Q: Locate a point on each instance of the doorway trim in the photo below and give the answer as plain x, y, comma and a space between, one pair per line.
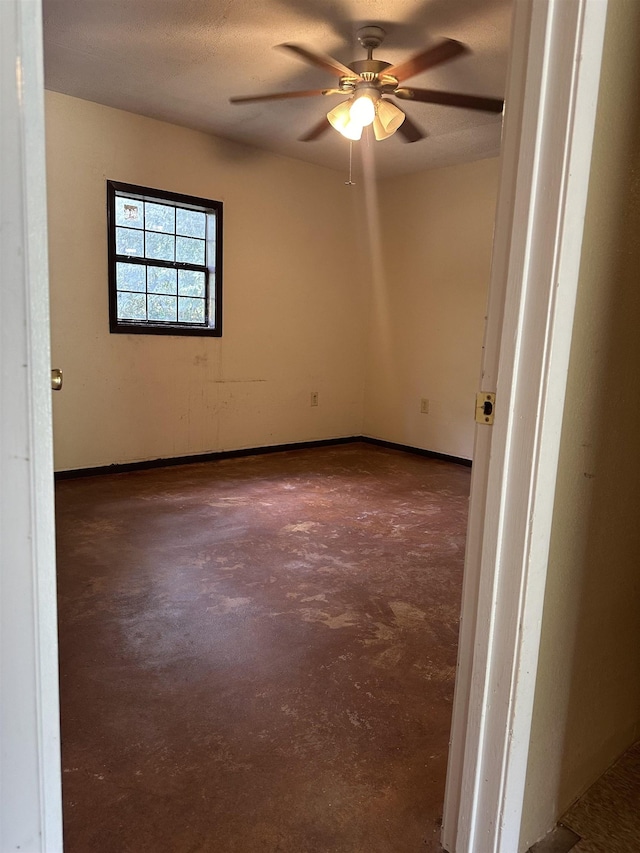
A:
556, 53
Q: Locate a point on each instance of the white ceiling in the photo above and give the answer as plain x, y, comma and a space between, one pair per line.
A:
180, 60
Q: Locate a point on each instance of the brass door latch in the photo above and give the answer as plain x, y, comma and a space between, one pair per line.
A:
56, 379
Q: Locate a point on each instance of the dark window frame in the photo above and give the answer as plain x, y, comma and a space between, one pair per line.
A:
212, 267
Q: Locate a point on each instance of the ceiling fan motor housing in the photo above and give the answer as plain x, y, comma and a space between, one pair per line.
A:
371, 37
369, 72
369, 66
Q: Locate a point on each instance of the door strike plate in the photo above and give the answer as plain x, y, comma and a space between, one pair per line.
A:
485, 405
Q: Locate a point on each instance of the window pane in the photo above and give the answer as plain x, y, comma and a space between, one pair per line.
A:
191, 223
162, 280
160, 246
162, 308
190, 283
159, 217
189, 251
129, 212
132, 306
130, 276
129, 242
190, 310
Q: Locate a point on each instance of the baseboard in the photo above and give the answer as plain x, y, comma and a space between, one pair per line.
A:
214, 456
124, 467
418, 451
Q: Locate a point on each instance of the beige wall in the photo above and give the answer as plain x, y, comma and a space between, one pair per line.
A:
292, 298
300, 299
587, 704
428, 302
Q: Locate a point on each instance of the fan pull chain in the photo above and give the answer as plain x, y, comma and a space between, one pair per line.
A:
350, 183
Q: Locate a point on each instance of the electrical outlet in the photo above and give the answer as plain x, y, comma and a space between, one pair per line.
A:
424, 406
314, 398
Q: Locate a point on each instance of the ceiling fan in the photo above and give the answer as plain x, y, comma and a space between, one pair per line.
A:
369, 82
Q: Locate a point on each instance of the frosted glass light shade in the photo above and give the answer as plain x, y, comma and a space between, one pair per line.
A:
390, 117
340, 119
352, 131
363, 110
378, 130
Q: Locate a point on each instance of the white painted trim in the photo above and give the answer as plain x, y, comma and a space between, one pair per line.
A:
30, 783
551, 106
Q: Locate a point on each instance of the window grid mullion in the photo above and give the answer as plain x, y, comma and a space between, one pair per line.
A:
157, 262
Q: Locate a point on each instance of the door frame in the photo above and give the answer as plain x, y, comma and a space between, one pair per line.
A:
556, 51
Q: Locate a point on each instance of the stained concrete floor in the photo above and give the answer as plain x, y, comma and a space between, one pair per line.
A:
258, 654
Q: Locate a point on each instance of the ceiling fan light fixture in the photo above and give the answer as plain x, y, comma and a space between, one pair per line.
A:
365, 81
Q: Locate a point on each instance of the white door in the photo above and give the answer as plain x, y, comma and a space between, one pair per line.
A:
30, 801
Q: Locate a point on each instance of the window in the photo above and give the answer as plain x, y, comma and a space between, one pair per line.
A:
165, 253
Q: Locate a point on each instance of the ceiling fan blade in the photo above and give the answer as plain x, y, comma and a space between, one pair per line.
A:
451, 99
278, 96
443, 52
316, 131
410, 130
321, 60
